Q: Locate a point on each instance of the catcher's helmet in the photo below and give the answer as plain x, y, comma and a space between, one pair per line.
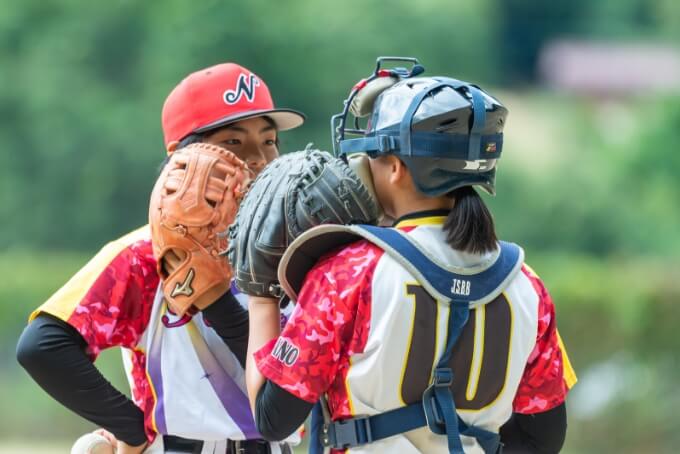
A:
449, 133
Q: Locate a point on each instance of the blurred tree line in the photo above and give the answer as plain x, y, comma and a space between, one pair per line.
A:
588, 186
83, 84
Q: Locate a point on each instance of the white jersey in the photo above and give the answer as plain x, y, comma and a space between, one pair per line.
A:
389, 374
197, 382
182, 375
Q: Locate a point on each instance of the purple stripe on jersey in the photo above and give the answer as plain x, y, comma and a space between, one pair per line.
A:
153, 365
242, 298
232, 397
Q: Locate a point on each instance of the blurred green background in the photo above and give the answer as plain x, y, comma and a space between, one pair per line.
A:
588, 183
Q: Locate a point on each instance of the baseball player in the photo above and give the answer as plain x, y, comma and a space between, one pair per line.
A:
184, 361
429, 336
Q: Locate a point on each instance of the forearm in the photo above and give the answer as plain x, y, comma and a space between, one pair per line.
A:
230, 321
53, 353
279, 413
265, 325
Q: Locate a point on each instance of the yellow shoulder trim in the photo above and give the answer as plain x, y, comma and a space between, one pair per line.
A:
144, 232
531, 270
66, 299
568, 371
432, 220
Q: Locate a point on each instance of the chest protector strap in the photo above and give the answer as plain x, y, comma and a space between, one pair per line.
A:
461, 288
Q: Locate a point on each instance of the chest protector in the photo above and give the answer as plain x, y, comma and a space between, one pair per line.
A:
462, 291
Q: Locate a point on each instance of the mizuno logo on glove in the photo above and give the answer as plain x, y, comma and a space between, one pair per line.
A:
185, 287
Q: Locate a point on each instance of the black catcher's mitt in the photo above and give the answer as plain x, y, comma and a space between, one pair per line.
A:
292, 194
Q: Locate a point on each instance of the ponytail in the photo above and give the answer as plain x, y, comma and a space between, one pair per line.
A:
469, 226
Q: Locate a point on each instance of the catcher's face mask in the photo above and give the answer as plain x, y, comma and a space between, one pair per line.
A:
449, 133
359, 164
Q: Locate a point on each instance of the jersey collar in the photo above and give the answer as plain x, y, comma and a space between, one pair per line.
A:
426, 217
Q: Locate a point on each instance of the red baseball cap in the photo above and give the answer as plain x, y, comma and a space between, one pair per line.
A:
219, 95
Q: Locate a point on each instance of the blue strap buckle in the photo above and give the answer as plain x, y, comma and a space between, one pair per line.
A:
347, 433
433, 416
386, 143
442, 377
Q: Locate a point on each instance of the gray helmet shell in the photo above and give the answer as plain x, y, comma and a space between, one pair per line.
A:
444, 110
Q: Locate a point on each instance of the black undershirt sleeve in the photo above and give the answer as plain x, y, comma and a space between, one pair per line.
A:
230, 320
278, 413
540, 433
53, 353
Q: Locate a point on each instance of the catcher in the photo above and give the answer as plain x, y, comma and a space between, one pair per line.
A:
430, 336
162, 292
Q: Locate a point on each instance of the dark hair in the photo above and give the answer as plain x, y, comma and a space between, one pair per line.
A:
191, 138
188, 140
469, 226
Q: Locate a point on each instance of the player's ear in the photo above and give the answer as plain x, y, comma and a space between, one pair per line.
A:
172, 146
398, 169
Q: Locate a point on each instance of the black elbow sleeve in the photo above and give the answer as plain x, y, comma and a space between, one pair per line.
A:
268, 432
278, 413
53, 353
28, 350
44, 339
540, 433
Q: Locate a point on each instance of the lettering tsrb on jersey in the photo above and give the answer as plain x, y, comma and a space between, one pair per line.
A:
285, 351
460, 287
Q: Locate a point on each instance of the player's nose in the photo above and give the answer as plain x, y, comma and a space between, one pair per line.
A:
256, 162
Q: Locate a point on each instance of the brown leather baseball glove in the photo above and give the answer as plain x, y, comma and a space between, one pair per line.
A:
193, 202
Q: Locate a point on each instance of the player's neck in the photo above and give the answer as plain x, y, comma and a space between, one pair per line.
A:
406, 202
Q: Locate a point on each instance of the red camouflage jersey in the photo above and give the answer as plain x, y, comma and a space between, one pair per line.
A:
109, 303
